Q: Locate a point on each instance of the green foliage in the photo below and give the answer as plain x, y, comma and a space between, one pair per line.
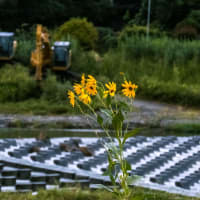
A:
25, 44
169, 51
107, 38
111, 115
16, 84
166, 14
78, 194
135, 30
189, 28
53, 90
83, 61
165, 69
80, 29
170, 91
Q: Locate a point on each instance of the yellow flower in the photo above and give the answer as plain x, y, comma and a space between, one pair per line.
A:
85, 98
78, 88
105, 94
129, 89
121, 73
91, 80
71, 97
91, 89
83, 80
111, 86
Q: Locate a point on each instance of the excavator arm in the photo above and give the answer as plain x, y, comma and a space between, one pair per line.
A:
42, 55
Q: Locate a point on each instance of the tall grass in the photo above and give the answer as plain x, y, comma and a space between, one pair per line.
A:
170, 51
164, 68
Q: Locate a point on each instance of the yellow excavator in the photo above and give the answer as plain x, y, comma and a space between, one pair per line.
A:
7, 46
57, 57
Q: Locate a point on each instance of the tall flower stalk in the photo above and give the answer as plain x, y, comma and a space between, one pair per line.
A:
110, 116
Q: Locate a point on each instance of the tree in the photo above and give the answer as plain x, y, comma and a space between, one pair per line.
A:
165, 14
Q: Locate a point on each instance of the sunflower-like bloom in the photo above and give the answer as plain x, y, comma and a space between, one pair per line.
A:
91, 80
111, 86
91, 89
83, 80
85, 98
71, 97
78, 88
129, 89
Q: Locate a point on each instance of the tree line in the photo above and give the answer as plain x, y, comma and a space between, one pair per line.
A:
108, 13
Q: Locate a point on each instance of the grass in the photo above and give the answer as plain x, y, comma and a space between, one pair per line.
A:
78, 194
36, 107
189, 128
165, 69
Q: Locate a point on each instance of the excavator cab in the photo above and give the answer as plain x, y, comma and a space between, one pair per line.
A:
7, 46
61, 56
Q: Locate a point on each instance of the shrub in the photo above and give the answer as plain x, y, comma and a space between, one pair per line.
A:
16, 84
80, 29
107, 38
135, 30
25, 44
186, 30
23, 52
54, 91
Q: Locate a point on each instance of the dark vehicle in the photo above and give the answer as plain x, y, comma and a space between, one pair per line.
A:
61, 56
7, 46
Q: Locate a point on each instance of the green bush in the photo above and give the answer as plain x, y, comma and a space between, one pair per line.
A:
54, 91
16, 84
82, 61
80, 29
186, 30
135, 30
107, 38
25, 44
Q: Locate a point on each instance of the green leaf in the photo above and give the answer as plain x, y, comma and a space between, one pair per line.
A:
127, 164
110, 172
108, 101
113, 150
130, 134
117, 120
132, 179
101, 186
106, 115
99, 120
123, 106
116, 170
106, 112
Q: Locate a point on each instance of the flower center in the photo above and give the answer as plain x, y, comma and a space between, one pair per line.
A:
130, 88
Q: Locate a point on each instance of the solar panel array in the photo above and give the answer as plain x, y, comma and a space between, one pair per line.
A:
167, 163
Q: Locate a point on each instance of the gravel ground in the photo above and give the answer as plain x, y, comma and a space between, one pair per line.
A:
146, 113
